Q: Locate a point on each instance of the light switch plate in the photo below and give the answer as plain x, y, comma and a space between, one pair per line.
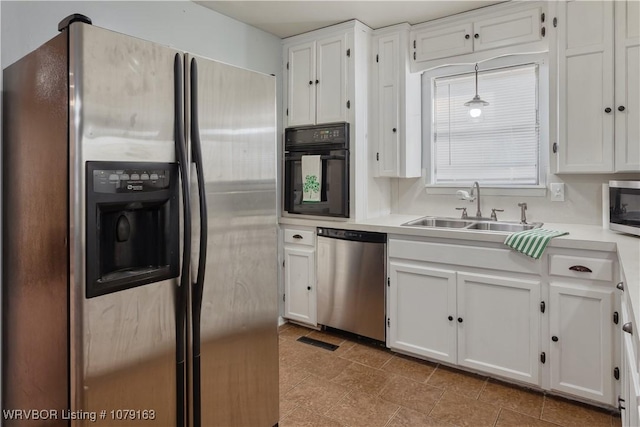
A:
557, 191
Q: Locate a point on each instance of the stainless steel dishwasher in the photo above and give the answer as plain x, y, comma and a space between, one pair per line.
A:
351, 281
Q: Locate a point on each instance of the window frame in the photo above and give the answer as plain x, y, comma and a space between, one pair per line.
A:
542, 61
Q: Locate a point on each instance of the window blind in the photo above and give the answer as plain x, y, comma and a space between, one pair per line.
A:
503, 148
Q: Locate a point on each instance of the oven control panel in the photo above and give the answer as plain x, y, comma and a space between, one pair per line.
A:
336, 134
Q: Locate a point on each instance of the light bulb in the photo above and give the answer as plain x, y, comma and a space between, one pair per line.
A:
475, 112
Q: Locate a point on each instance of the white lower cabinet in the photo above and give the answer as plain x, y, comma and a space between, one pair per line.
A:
550, 323
300, 276
630, 386
581, 333
481, 321
422, 310
499, 325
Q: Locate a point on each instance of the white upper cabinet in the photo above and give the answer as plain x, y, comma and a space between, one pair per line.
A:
598, 112
627, 87
302, 89
450, 40
396, 114
585, 86
317, 81
331, 80
476, 31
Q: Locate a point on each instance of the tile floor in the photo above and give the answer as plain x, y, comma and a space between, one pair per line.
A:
363, 385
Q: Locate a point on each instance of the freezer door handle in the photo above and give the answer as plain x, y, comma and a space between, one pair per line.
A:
181, 298
198, 285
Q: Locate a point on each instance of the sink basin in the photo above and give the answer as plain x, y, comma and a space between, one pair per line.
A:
439, 222
502, 226
479, 224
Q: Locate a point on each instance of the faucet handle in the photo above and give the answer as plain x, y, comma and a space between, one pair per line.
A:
523, 205
464, 213
493, 213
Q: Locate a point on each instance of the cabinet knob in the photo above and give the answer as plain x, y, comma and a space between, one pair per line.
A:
607, 110
554, 338
310, 82
476, 36
621, 108
317, 81
466, 36
450, 318
620, 286
628, 328
394, 130
308, 288
459, 319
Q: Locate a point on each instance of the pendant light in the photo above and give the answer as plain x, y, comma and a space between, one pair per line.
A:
476, 104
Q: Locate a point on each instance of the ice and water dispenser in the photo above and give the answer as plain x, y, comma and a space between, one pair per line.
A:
132, 225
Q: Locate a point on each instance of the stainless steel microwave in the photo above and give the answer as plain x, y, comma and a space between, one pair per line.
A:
624, 206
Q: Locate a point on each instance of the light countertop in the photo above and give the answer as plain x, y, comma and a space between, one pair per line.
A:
588, 237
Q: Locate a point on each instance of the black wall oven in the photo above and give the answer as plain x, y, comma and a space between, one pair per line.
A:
331, 143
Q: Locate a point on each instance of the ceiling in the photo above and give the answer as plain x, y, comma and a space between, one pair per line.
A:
288, 18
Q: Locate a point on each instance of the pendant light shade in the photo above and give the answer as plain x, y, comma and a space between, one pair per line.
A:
476, 104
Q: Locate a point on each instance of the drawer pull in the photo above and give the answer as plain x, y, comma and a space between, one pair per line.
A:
297, 236
580, 268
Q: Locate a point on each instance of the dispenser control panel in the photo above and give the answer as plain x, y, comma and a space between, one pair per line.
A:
130, 180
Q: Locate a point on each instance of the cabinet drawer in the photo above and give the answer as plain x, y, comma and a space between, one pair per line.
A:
299, 237
581, 267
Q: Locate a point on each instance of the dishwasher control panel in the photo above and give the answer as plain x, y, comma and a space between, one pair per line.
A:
359, 236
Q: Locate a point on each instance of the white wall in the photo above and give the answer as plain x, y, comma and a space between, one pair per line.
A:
180, 24
582, 205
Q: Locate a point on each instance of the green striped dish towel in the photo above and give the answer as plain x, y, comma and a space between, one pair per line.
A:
532, 242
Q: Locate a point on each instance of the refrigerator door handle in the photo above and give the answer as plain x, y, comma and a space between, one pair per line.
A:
197, 286
181, 296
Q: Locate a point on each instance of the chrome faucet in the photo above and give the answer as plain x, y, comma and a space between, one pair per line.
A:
476, 187
523, 215
471, 195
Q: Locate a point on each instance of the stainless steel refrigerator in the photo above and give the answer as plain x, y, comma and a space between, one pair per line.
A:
139, 236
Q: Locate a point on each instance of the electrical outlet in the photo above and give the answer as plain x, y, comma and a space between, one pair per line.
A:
557, 191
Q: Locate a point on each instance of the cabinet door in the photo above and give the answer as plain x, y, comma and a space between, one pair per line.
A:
302, 87
443, 42
331, 80
585, 86
507, 30
498, 325
388, 104
627, 65
421, 300
581, 341
299, 284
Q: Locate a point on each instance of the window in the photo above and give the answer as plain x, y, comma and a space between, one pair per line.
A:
501, 150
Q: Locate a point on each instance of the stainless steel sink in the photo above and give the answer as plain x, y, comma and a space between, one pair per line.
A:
439, 222
502, 226
480, 224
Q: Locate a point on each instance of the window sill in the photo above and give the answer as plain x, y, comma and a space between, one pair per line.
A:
529, 191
